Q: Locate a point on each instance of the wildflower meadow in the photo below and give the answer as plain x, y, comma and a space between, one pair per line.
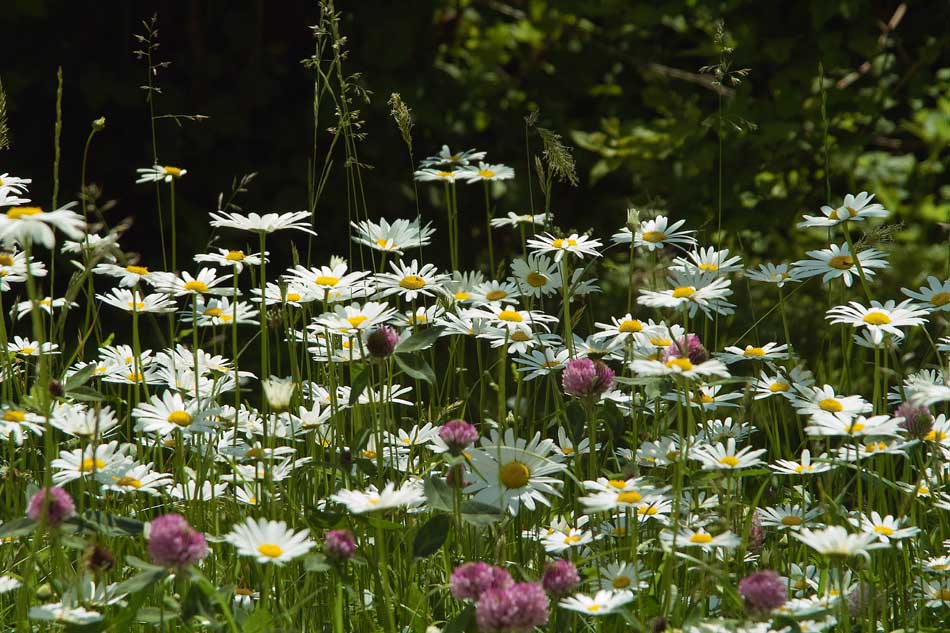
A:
462, 413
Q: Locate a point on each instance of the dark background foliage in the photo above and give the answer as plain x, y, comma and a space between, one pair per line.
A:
620, 80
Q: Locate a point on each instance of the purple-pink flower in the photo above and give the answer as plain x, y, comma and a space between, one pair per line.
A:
470, 580
339, 544
560, 577
583, 377
51, 506
172, 542
515, 609
457, 435
688, 346
382, 341
763, 591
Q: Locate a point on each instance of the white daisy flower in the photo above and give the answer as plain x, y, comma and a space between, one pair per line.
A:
604, 602
615, 494
579, 245
193, 491
269, 541
206, 282
32, 224
46, 304
822, 400
688, 537
64, 613
778, 274
787, 517
14, 183
159, 173
133, 301
85, 422
537, 276
880, 318
708, 260
231, 259
131, 477
769, 351
656, 233
515, 219
447, 157
725, 456
331, 283
619, 329
838, 261
8, 584
128, 276
692, 291
836, 542
17, 423
220, 311
22, 346
833, 425
495, 292
558, 541
542, 362
80, 463
936, 294
486, 172
267, 223
168, 413
392, 238
680, 367
409, 495
622, 575
855, 208
884, 528
353, 318
804, 465
429, 174
411, 281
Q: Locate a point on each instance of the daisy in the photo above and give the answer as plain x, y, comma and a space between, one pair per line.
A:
269, 541
680, 367
9, 198
221, 311
567, 448
206, 282
231, 259
515, 219
542, 362
79, 421
537, 276
787, 517
692, 291
819, 400
510, 472
267, 223
769, 351
835, 541
16, 423
687, 537
725, 457
79, 463
831, 425
557, 542
193, 491
880, 318
168, 413
65, 613
420, 316
8, 584
331, 283
447, 157
33, 225
409, 495
619, 329
706, 397
936, 294
708, 260
604, 602
660, 453
774, 274
429, 174
411, 281
510, 318
353, 318
766, 386
25, 347
838, 261
46, 304
131, 477
884, 528
392, 238
159, 173
855, 208
715, 431
614, 494
622, 575
14, 183
486, 172
128, 276
804, 465
656, 233
937, 594
133, 301
579, 245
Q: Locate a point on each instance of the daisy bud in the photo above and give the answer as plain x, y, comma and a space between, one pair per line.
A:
51, 506
458, 434
689, 346
339, 544
763, 591
381, 342
278, 392
470, 580
560, 577
99, 124
56, 389
583, 377
520, 607
633, 219
918, 421
98, 558
172, 542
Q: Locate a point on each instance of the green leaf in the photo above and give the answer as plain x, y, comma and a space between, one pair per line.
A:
421, 339
431, 536
153, 615
80, 378
480, 514
439, 496
107, 524
316, 563
416, 367
260, 621
86, 394
196, 602
359, 385
461, 622
383, 524
17, 527
140, 581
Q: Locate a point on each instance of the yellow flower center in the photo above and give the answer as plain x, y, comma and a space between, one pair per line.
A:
654, 236
648, 510
570, 540
939, 300
12, 415
356, 320
137, 270
181, 418
213, 312
88, 464
196, 286
708, 267
729, 460
461, 295
683, 292
804, 468
683, 364
701, 538
27, 351
594, 608
942, 595
136, 305
496, 295
661, 341
935, 436
779, 387
7, 260
135, 377
791, 520
883, 530
412, 282
486, 173
536, 280
754, 352
514, 475
621, 582
876, 318
559, 243
235, 256
841, 262
23, 212
619, 484
631, 496
174, 172
520, 337
445, 174
510, 315
270, 550
293, 296
128, 482
373, 501
326, 280
384, 244
369, 454
831, 405
702, 397
857, 427
629, 326
568, 450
